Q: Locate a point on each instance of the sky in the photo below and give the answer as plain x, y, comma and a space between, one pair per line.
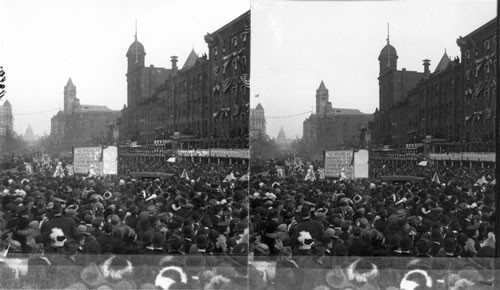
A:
298, 44
44, 43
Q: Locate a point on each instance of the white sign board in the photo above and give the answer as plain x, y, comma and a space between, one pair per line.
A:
361, 164
335, 161
84, 157
110, 160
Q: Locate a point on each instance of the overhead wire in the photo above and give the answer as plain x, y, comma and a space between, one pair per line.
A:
34, 113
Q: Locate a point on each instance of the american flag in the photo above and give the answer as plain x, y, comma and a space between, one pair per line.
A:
245, 80
226, 85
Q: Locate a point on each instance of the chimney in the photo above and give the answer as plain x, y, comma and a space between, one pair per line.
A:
173, 59
427, 63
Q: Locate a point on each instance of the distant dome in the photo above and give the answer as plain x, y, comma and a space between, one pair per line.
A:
388, 50
136, 45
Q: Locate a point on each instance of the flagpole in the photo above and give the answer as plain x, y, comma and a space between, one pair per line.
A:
497, 159
388, 50
136, 55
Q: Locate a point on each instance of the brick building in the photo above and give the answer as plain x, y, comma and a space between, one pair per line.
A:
479, 67
80, 125
333, 128
455, 103
203, 104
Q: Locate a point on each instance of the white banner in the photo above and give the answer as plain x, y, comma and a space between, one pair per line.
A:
335, 161
110, 160
84, 157
361, 164
464, 156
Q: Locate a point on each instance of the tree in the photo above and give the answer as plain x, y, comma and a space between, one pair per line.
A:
263, 148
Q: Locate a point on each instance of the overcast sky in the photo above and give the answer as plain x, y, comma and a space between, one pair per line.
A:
296, 45
43, 43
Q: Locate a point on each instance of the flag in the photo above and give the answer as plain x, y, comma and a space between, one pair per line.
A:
257, 95
481, 181
435, 178
230, 177
245, 80
422, 163
226, 85
185, 174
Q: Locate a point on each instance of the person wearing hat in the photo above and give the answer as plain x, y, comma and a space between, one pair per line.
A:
200, 246
109, 242
329, 240
449, 249
66, 224
436, 238
187, 238
157, 244
356, 246
175, 245
314, 227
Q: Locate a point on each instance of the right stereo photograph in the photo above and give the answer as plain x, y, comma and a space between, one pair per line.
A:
372, 144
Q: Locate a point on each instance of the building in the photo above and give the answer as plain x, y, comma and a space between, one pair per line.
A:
282, 141
455, 103
29, 136
80, 125
394, 85
6, 120
333, 128
479, 66
257, 121
6, 124
203, 104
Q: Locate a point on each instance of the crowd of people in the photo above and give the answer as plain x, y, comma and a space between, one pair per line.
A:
449, 213
199, 209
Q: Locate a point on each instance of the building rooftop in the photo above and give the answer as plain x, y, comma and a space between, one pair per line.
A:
342, 111
322, 86
136, 46
191, 60
94, 108
443, 63
388, 51
70, 83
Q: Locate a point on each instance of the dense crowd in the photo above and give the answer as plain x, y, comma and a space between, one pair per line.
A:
450, 213
204, 212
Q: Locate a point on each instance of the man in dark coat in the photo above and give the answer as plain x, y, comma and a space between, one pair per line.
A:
314, 227
66, 224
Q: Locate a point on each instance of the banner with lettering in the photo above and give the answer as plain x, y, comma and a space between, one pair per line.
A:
338, 161
84, 157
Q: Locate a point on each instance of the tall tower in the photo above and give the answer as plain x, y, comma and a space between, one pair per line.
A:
136, 58
321, 99
388, 57
69, 96
6, 119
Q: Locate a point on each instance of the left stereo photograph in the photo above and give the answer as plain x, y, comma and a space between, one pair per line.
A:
124, 144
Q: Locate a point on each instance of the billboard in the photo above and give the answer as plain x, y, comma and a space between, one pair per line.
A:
353, 164
84, 157
110, 160
335, 161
